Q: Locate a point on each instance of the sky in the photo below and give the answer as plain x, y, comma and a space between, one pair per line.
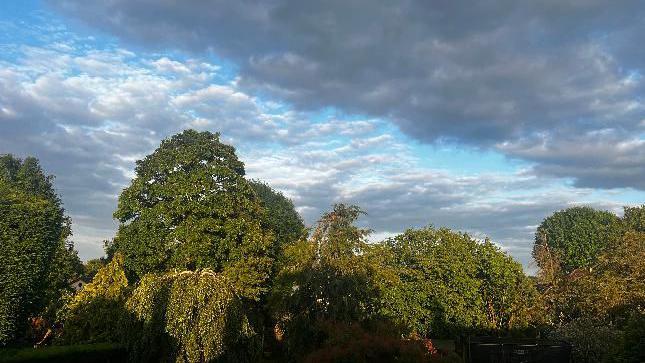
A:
483, 117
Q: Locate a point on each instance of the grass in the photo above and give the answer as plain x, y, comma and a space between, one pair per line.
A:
100, 353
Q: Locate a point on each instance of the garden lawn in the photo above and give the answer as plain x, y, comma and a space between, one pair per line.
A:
96, 353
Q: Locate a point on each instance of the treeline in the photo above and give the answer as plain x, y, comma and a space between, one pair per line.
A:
208, 265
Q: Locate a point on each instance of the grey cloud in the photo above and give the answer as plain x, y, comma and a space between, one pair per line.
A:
479, 73
606, 159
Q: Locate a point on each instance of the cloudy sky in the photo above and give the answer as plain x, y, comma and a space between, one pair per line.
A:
481, 116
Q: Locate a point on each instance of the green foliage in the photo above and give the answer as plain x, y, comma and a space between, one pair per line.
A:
510, 297
634, 218
91, 267
426, 282
189, 316
280, 217
189, 207
109, 282
96, 313
576, 236
595, 306
440, 283
27, 175
65, 266
600, 308
33, 230
203, 243
324, 278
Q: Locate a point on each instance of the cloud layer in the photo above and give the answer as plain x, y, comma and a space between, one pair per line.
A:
539, 81
88, 108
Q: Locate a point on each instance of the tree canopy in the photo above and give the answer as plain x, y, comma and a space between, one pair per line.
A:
189, 207
280, 215
206, 265
324, 278
33, 233
575, 236
634, 218
598, 305
441, 283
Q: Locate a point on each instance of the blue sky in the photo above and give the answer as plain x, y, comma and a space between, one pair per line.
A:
484, 120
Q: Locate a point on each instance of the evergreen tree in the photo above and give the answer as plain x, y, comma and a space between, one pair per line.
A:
33, 244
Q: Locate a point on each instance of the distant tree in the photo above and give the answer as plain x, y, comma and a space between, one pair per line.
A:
281, 216
575, 236
634, 218
189, 207
110, 248
440, 283
91, 267
33, 238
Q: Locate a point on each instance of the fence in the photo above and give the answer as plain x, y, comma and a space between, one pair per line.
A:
510, 350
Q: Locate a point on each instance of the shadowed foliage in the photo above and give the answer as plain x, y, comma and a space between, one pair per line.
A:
599, 306
189, 316
280, 216
37, 260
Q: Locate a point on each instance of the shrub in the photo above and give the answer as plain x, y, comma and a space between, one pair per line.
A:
357, 343
592, 340
97, 312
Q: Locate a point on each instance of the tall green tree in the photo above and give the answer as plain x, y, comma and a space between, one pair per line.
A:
189, 207
575, 237
33, 238
439, 283
598, 305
